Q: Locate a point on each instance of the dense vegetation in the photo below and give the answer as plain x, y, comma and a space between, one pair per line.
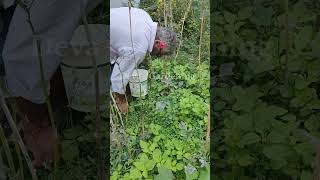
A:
261, 103
163, 136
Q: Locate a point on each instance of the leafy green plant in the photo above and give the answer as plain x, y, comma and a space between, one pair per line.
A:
174, 129
260, 110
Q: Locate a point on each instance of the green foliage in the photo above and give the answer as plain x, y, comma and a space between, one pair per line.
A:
260, 110
175, 125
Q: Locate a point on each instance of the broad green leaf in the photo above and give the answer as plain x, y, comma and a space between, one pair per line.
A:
144, 145
243, 122
187, 155
157, 139
149, 165
139, 165
164, 173
70, 150
246, 98
249, 138
262, 118
245, 160
156, 154
285, 128
238, 25
204, 174
277, 137
312, 124
229, 17
144, 157
300, 13
178, 145
245, 13
277, 151
314, 104
276, 110
303, 38
153, 146
179, 166
260, 65
135, 173
145, 174
168, 163
289, 118
115, 175
301, 83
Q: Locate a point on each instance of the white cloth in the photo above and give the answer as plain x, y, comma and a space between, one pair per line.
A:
55, 21
121, 52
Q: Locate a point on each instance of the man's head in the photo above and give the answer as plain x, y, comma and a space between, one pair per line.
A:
165, 42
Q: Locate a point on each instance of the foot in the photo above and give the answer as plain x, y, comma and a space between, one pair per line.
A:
38, 133
41, 143
121, 102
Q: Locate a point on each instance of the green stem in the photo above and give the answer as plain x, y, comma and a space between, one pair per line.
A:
17, 149
8, 153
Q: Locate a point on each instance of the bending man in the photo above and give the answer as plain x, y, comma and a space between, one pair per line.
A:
127, 53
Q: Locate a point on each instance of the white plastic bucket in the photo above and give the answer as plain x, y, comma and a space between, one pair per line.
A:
138, 83
78, 70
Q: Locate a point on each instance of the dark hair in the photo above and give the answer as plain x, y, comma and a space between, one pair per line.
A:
169, 37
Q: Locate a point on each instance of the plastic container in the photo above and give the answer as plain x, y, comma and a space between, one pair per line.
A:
138, 83
78, 70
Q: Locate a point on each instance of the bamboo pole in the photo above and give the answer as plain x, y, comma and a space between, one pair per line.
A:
165, 13
171, 15
43, 83
100, 159
182, 27
17, 135
136, 67
207, 147
201, 29
7, 151
16, 146
284, 39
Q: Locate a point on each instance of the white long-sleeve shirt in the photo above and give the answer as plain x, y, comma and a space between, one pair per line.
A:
55, 21
124, 53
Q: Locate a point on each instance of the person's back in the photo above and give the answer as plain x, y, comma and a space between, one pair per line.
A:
143, 29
